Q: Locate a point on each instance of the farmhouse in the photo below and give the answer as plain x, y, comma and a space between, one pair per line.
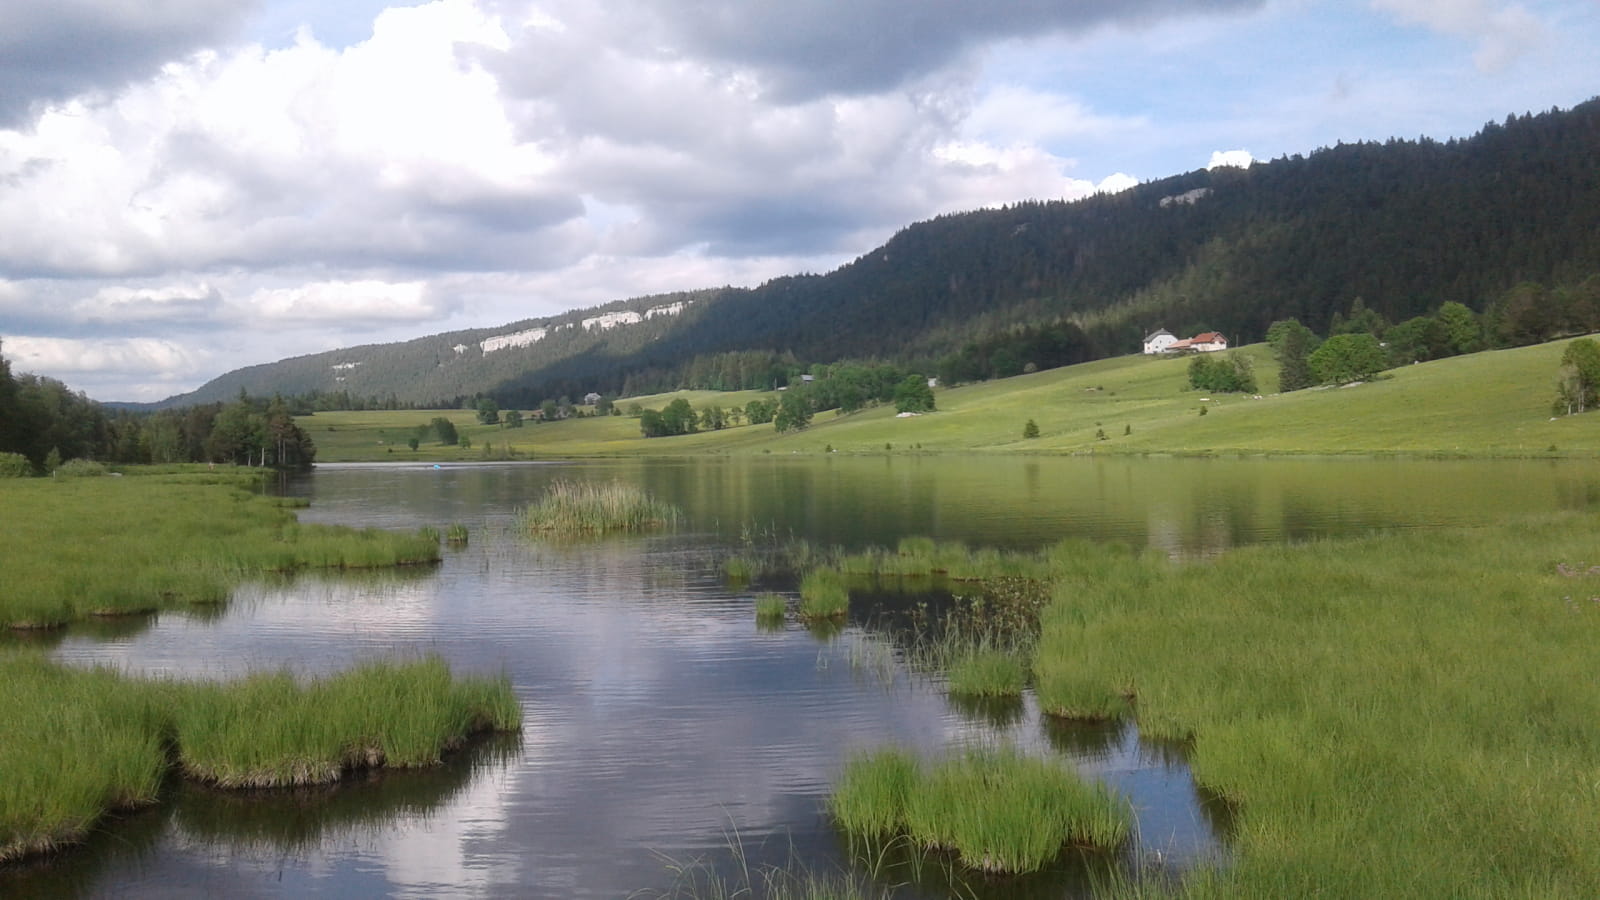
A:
1159, 341
1205, 342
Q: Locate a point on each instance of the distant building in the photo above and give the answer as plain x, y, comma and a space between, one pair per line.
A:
591, 398
1204, 342
1159, 342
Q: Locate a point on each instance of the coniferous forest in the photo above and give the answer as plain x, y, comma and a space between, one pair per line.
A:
1366, 236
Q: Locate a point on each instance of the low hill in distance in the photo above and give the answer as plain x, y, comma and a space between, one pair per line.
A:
1489, 404
1404, 226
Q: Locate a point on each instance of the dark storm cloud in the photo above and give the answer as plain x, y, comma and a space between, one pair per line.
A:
54, 49
805, 48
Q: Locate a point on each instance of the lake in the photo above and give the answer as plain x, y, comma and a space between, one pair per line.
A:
664, 732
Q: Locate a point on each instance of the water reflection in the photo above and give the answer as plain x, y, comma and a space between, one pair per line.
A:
661, 719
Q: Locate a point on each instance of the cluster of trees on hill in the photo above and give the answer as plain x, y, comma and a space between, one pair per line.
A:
46, 423
1408, 226
845, 387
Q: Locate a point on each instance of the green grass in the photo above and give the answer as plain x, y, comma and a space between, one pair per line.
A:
269, 731
586, 508
1491, 404
997, 810
771, 608
81, 743
824, 595
985, 671
738, 570
872, 792
78, 547
456, 534
1413, 714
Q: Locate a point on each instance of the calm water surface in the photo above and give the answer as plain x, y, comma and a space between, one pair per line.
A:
662, 728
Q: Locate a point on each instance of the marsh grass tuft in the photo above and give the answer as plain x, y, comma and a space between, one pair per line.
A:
456, 535
584, 508
738, 570
771, 608
100, 741
997, 810
824, 594
987, 671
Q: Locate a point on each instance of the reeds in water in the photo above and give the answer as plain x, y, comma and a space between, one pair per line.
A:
997, 810
270, 731
771, 608
586, 508
98, 741
824, 595
71, 548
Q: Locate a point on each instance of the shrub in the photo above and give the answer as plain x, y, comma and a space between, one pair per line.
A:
1030, 430
80, 468
15, 465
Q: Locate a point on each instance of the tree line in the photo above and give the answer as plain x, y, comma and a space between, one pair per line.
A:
47, 424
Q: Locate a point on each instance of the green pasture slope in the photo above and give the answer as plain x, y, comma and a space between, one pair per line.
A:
1491, 404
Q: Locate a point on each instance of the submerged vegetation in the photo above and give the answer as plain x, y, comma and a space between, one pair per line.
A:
80, 547
583, 508
96, 741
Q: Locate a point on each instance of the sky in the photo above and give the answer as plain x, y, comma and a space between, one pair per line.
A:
192, 186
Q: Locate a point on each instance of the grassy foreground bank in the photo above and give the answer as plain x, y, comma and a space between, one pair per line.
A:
82, 743
76, 547
1490, 404
1413, 714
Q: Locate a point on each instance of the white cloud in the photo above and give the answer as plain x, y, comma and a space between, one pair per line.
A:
349, 302
1238, 158
166, 359
1504, 32
186, 303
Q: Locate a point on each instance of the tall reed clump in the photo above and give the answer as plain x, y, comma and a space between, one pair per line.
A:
586, 508
270, 731
456, 535
77, 744
82, 742
997, 810
738, 570
770, 608
987, 671
824, 595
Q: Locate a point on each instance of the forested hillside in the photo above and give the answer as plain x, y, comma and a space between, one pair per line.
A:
1501, 222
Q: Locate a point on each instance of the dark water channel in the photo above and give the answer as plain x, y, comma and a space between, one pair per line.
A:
663, 729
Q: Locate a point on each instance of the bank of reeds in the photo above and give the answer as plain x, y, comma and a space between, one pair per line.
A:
586, 508
824, 595
78, 547
1414, 714
997, 810
80, 743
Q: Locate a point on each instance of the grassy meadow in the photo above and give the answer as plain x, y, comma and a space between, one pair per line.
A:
77, 547
1491, 404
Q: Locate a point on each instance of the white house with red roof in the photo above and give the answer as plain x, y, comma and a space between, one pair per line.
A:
1204, 342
